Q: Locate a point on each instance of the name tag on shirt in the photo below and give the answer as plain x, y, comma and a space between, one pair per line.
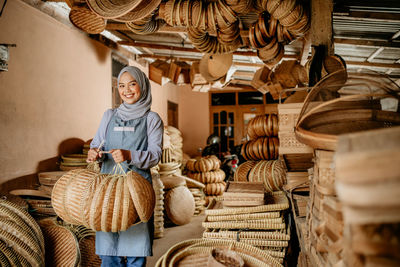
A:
124, 129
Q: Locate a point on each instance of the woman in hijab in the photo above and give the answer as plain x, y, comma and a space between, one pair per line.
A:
133, 134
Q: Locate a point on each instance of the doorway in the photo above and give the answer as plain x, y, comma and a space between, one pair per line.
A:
173, 114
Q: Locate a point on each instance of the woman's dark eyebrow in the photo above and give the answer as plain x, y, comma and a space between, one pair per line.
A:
130, 81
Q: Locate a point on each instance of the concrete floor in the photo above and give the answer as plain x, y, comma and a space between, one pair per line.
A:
176, 234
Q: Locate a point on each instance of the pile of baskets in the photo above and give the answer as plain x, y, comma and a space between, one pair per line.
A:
262, 154
159, 206
264, 144
262, 226
207, 171
73, 161
197, 190
103, 202
68, 245
213, 27
21, 240
280, 23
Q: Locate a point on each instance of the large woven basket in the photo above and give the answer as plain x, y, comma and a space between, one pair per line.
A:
320, 128
103, 202
179, 205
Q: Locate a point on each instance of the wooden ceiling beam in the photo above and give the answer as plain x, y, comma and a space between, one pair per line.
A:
351, 63
368, 15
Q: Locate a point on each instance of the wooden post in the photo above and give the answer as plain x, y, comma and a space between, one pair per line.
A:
321, 24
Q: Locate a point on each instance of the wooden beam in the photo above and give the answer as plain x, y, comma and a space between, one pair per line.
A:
305, 49
186, 49
374, 54
353, 63
371, 16
377, 43
321, 24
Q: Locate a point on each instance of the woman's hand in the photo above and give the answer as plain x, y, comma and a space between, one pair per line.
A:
120, 155
93, 155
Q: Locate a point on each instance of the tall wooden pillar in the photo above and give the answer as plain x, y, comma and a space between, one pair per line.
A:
321, 24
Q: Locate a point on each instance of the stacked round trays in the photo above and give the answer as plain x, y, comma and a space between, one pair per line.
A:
47, 180
123, 11
73, 161
159, 206
207, 170
197, 190
196, 252
176, 142
212, 26
179, 203
21, 239
279, 23
146, 25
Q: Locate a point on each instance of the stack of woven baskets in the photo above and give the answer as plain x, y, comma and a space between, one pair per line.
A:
73, 161
47, 180
207, 171
262, 226
213, 27
86, 147
176, 142
197, 190
179, 203
68, 245
262, 151
103, 202
198, 252
368, 186
39, 202
159, 206
21, 240
279, 23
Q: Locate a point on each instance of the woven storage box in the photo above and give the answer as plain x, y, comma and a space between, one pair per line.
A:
179, 205
243, 194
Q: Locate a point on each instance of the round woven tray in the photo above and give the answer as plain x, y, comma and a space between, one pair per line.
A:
142, 194
179, 205
182, 249
50, 178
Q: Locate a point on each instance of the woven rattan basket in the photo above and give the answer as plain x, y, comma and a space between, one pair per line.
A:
319, 126
179, 205
62, 247
83, 18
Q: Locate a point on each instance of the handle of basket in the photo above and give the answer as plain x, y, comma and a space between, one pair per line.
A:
303, 116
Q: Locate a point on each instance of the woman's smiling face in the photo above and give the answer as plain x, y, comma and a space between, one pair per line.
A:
128, 88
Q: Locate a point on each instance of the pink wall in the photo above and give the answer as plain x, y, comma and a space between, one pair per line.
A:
57, 88
193, 119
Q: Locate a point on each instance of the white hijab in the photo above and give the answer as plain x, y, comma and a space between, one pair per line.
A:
142, 106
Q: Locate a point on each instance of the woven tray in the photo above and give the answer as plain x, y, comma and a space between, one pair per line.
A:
275, 201
264, 224
280, 235
50, 178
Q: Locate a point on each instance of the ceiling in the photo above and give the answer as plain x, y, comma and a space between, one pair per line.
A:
366, 35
